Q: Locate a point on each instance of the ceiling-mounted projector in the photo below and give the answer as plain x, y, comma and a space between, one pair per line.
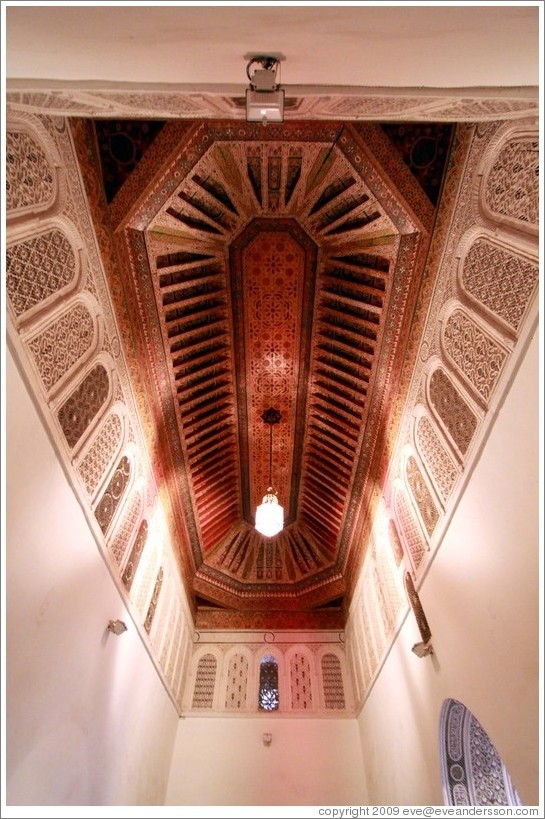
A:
264, 97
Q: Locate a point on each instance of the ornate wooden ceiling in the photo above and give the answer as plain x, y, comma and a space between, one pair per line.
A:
260, 267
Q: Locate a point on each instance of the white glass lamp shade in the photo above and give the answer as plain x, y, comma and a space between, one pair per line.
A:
269, 515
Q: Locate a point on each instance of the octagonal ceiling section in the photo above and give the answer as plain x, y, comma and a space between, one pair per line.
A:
270, 267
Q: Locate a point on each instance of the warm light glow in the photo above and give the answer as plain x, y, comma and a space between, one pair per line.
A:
269, 515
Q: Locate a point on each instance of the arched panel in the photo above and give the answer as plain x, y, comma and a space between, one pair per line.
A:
498, 279
332, 682
472, 350
439, 463
84, 404
64, 343
109, 502
409, 527
390, 597
169, 648
124, 532
152, 608
101, 452
131, 565
511, 186
457, 418
205, 682
300, 681
236, 692
471, 768
374, 634
146, 574
31, 178
422, 497
39, 269
395, 542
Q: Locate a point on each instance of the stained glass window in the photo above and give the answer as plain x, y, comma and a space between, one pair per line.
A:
268, 684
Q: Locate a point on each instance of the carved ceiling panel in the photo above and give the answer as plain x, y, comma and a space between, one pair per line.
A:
270, 267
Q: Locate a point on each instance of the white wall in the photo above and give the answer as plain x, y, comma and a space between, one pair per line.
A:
431, 46
89, 721
481, 601
223, 761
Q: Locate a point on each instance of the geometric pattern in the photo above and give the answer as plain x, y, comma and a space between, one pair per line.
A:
332, 682
374, 619
258, 252
395, 542
37, 268
54, 372
274, 277
237, 682
389, 595
29, 177
409, 528
62, 344
431, 107
458, 419
474, 352
384, 601
168, 648
134, 558
154, 600
109, 501
301, 688
205, 681
501, 280
312, 678
512, 187
124, 531
441, 465
101, 452
145, 577
471, 768
82, 406
174, 627
422, 495
260, 249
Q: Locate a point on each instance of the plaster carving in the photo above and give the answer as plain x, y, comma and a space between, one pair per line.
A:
473, 352
437, 459
107, 506
39, 268
499, 279
64, 343
31, 181
453, 412
104, 446
84, 404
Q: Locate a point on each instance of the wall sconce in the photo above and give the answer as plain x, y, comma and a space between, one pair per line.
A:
422, 649
267, 739
264, 97
117, 627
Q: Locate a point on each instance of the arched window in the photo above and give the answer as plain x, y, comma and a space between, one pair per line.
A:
471, 768
268, 683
